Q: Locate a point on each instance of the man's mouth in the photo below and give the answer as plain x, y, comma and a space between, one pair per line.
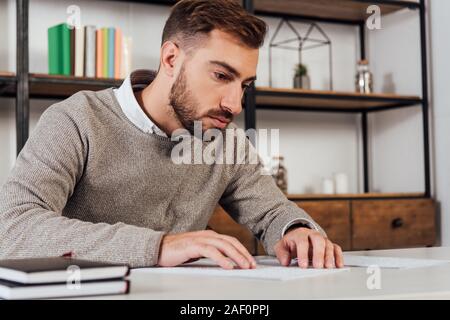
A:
220, 122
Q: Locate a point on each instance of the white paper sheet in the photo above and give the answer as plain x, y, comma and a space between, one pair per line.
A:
389, 262
267, 269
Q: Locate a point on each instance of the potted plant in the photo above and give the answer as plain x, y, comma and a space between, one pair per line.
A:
301, 77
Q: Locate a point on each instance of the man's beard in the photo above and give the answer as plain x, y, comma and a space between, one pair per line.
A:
184, 104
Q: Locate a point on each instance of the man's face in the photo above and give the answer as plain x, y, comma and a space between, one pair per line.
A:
211, 82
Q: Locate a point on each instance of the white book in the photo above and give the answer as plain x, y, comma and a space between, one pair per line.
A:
79, 52
127, 58
90, 49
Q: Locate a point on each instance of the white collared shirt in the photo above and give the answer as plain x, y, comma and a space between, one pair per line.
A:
131, 108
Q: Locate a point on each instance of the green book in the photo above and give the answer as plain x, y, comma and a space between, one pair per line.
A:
66, 50
59, 49
54, 50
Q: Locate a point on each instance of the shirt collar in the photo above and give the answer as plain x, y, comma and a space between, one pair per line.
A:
137, 81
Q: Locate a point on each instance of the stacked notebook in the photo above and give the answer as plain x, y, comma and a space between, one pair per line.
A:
60, 277
88, 52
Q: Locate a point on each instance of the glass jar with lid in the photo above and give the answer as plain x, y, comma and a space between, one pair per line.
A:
364, 78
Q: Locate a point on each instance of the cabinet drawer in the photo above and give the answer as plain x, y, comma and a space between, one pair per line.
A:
222, 223
333, 217
381, 224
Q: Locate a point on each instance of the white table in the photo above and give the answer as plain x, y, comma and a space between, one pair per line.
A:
424, 283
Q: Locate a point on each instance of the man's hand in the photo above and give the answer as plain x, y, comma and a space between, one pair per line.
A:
224, 250
305, 244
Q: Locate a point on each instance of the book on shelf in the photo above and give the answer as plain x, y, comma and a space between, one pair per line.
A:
60, 277
79, 52
99, 57
88, 52
105, 40
59, 52
118, 54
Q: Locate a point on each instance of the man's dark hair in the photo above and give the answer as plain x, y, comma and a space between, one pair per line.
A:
189, 20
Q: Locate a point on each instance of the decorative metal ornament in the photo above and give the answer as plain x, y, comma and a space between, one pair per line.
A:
305, 42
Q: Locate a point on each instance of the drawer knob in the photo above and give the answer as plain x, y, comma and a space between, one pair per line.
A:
397, 223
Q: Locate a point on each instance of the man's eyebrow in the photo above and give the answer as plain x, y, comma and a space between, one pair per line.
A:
231, 70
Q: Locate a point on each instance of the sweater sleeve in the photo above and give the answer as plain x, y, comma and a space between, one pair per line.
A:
253, 199
37, 190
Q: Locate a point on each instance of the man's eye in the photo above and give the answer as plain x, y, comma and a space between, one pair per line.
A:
220, 76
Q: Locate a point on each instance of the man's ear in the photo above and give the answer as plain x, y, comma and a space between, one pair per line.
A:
170, 53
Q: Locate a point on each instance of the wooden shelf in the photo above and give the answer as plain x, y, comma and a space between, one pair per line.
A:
346, 11
362, 196
314, 100
7, 83
52, 86
55, 86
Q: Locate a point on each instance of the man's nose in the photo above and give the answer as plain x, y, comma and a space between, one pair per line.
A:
233, 100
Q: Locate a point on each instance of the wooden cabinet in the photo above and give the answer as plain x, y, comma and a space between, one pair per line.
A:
355, 224
383, 224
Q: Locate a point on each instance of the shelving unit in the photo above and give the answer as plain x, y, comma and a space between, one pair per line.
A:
344, 211
350, 12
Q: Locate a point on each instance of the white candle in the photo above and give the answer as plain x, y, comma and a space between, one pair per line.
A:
327, 186
341, 183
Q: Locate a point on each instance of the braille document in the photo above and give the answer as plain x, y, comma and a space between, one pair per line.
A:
268, 268
390, 262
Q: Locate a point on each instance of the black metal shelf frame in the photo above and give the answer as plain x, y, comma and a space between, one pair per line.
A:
23, 79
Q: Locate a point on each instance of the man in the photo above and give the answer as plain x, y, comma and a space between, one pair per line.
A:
97, 178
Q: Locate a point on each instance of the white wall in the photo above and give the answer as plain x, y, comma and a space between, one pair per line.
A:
396, 136
440, 26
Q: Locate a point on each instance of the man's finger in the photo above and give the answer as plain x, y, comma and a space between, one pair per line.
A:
318, 243
230, 251
215, 255
329, 255
302, 247
240, 247
338, 256
283, 253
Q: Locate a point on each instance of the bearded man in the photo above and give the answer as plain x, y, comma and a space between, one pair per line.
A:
96, 178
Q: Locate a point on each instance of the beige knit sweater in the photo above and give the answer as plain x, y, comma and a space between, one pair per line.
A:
91, 183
